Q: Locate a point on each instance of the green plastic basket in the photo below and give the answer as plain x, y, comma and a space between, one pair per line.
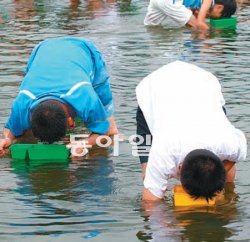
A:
19, 151
224, 22
35, 152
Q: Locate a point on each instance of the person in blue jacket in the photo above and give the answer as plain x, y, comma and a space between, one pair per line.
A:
65, 78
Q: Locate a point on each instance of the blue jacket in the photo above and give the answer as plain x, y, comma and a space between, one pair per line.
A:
72, 71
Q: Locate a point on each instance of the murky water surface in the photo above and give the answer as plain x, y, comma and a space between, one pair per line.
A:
99, 199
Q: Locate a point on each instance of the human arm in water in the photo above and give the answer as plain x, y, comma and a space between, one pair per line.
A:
201, 24
7, 139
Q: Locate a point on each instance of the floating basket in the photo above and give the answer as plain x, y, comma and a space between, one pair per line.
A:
224, 23
39, 152
182, 198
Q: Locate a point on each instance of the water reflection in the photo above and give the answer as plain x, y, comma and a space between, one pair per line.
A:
23, 9
85, 176
65, 197
167, 223
74, 4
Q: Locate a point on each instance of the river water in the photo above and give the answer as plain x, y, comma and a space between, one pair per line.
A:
99, 199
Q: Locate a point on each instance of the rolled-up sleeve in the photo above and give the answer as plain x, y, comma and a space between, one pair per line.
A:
160, 168
19, 120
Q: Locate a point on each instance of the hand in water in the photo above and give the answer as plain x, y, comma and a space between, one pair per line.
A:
4, 143
5, 153
78, 148
202, 26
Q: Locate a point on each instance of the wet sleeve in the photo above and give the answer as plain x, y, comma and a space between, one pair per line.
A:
18, 121
158, 172
233, 145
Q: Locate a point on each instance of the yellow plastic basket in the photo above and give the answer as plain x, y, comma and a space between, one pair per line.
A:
182, 198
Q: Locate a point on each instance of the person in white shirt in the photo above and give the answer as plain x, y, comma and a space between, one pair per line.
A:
182, 108
193, 13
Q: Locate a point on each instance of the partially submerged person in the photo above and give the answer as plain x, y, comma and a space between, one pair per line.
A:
181, 109
184, 12
65, 78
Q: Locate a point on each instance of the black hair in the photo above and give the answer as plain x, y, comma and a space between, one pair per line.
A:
229, 9
49, 122
202, 174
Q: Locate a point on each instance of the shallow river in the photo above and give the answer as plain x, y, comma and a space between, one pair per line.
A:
99, 199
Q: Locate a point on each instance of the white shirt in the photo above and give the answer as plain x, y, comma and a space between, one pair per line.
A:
167, 12
182, 105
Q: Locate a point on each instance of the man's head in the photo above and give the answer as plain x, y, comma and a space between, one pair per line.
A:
202, 174
223, 9
49, 121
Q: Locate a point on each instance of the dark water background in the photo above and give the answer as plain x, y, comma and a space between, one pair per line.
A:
99, 199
